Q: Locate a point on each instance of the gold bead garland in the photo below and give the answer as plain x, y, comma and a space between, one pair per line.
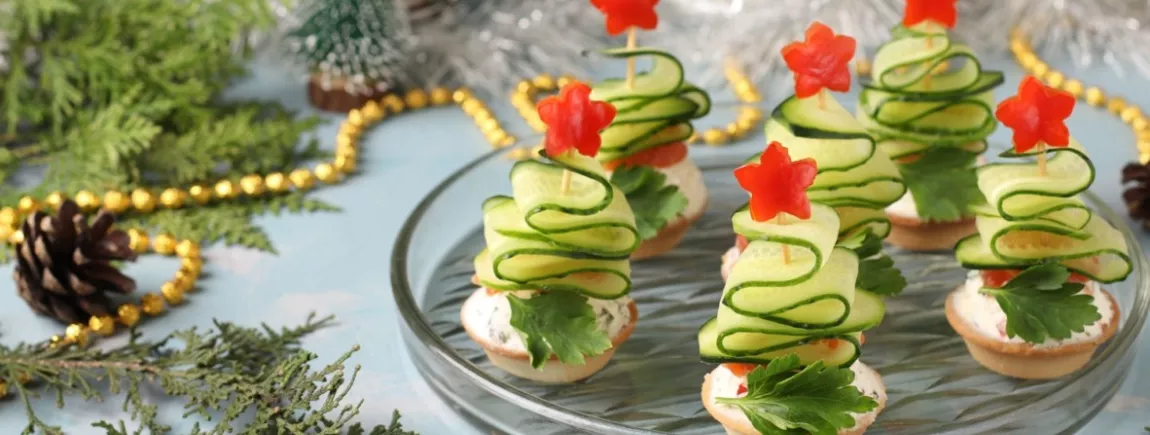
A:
140, 200
1129, 113
526, 93
173, 291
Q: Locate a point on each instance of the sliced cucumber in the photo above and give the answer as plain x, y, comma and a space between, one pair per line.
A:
876, 183
623, 140
1019, 192
927, 91
1104, 266
763, 286
851, 174
831, 154
543, 239
655, 110
805, 118
853, 220
756, 340
1034, 217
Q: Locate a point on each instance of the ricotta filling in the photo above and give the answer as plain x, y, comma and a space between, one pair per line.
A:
983, 312
725, 383
489, 316
686, 176
904, 207
729, 259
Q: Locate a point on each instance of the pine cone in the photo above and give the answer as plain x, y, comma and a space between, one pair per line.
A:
1138, 193
64, 266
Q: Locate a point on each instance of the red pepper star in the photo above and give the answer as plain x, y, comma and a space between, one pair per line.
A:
574, 121
820, 61
942, 12
624, 14
1037, 115
778, 185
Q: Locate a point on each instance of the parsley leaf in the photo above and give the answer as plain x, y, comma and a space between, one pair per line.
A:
879, 276
816, 400
653, 201
1040, 304
557, 323
943, 182
877, 273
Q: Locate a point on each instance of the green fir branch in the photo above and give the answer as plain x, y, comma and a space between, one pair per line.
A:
222, 375
129, 94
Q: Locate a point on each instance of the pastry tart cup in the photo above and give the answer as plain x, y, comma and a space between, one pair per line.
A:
517, 362
1024, 360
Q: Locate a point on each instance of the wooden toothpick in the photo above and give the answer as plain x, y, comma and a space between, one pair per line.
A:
632, 36
781, 220
565, 185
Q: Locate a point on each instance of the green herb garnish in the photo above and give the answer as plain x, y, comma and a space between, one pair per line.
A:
654, 203
1039, 303
816, 399
557, 323
944, 183
877, 273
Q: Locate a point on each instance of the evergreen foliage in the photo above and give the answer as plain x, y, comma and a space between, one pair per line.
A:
225, 376
115, 95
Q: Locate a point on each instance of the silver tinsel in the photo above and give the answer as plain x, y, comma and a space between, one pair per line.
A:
492, 44
752, 32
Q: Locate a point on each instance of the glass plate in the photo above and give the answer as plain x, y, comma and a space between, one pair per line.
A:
652, 384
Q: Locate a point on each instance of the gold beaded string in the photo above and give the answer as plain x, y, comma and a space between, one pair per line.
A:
143, 200
174, 291
1129, 113
526, 93
171, 294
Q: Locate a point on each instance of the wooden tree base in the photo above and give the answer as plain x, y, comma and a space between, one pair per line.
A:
336, 98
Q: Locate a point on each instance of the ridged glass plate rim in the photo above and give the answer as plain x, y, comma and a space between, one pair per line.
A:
422, 330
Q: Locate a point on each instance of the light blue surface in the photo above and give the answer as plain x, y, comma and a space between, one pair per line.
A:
337, 263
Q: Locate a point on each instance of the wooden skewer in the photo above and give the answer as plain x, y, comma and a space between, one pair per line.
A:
631, 42
566, 183
781, 220
1042, 159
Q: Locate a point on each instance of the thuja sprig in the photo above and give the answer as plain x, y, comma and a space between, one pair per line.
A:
219, 374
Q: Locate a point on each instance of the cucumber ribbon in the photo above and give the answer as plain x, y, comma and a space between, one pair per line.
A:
926, 90
541, 239
853, 179
1032, 218
656, 110
807, 306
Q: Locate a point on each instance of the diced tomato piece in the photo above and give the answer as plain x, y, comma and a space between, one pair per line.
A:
862, 339
492, 292
996, 278
740, 369
741, 242
909, 158
742, 390
662, 156
832, 343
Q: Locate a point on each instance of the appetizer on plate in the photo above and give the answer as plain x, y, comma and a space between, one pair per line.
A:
929, 103
789, 327
645, 148
1033, 306
853, 179
552, 302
